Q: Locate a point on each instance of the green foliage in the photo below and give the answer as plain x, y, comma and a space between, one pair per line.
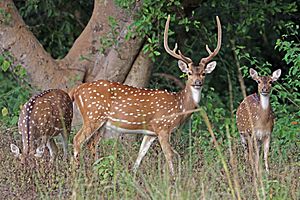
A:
5, 17
287, 100
14, 92
56, 23
106, 166
150, 22
111, 38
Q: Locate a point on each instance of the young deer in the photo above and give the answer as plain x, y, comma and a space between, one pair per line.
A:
153, 113
44, 116
255, 119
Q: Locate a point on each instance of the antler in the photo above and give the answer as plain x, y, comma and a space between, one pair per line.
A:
215, 52
173, 53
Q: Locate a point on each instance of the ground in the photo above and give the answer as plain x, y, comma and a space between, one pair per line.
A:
200, 174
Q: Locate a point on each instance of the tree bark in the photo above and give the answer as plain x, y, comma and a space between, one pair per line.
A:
83, 63
43, 71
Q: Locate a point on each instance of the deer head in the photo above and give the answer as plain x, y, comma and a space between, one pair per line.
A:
265, 82
195, 72
39, 151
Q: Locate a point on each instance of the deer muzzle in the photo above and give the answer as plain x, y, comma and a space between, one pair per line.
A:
265, 91
197, 84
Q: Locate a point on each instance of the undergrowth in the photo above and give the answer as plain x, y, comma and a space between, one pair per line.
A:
199, 174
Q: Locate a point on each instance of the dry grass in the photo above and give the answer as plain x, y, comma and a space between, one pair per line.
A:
200, 174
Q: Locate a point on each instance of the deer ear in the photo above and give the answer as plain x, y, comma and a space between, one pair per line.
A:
253, 74
39, 151
210, 67
15, 150
183, 66
276, 74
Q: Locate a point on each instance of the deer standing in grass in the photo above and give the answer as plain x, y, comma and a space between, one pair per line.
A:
44, 116
153, 113
255, 119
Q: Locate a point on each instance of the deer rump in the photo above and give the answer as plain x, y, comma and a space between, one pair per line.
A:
43, 117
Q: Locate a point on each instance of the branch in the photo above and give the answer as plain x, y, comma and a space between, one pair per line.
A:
177, 81
26, 50
116, 65
83, 53
140, 72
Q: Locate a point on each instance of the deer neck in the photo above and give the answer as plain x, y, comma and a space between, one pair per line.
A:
190, 97
264, 102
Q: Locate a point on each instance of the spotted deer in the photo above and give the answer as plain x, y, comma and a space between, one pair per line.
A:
43, 117
153, 113
255, 119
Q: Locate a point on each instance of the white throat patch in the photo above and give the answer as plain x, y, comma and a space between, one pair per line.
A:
264, 101
196, 94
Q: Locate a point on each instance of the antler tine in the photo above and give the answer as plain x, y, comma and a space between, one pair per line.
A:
186, 59
208, 50
173, 53
175, 48
216, 51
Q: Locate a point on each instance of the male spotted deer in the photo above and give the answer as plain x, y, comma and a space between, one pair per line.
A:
44, 116
153, 113
255, 119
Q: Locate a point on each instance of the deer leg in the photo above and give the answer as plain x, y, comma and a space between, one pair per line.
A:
64, 136
146, 143
245, 147
40, 149
65, 145
266, 151
80, 138
163, 138
250, 152
83, 135
94, 142
257, 151
52, 149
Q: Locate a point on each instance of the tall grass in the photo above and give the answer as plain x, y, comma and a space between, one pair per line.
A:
205, 173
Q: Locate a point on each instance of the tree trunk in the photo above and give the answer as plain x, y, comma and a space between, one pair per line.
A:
123, 62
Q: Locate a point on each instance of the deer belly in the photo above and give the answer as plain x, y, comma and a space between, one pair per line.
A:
260, 134
125, 127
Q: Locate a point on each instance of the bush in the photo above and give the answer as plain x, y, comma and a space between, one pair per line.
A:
14, 90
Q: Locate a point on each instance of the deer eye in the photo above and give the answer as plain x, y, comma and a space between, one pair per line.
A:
270, 82
189, 73
203, 74
258, 81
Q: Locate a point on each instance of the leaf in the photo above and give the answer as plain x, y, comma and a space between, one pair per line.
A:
4, 111
14, 120
5, 65
157, 53
1, 59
